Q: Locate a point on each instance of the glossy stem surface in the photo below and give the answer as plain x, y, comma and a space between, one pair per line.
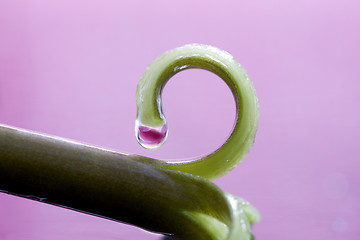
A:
109, 184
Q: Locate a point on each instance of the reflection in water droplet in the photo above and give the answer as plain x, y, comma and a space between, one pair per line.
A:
150, 137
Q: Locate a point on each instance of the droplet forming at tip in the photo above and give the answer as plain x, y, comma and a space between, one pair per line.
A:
150, 137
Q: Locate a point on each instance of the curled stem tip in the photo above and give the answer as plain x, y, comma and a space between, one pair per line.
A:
151, 127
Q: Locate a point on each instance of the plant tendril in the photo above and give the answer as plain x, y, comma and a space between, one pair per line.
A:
151, 119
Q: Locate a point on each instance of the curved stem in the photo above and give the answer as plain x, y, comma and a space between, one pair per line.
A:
150, 113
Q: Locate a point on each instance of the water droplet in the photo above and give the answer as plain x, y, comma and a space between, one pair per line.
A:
150, 137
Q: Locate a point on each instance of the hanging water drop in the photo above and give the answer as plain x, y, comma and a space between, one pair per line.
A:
150, 137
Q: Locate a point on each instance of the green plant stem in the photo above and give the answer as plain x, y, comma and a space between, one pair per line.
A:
176, 199
111, 185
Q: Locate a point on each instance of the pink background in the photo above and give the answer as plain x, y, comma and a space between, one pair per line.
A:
70, 68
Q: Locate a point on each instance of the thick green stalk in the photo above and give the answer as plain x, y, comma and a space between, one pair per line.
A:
112, 185
150, 112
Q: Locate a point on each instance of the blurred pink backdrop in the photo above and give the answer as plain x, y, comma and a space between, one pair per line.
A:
70, 68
